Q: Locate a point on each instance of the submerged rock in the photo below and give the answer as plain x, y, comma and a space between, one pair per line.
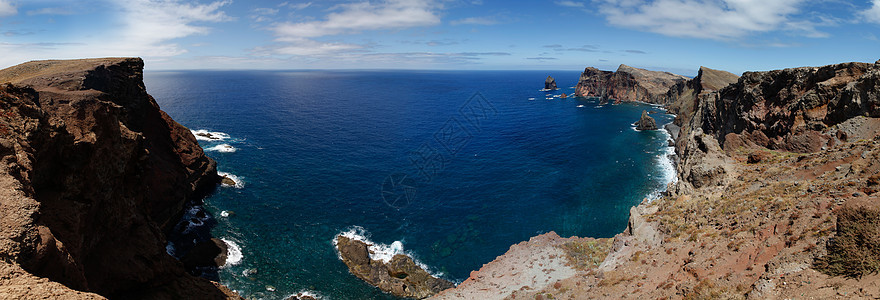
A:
550, 83
646, 122
400, 276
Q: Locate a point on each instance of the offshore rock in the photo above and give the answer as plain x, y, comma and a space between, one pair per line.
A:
627, 84
550, 83
206, 254
646, 122
93, 172
400, 276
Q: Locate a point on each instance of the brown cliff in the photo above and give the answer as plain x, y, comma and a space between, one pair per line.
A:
627, 84
93, 174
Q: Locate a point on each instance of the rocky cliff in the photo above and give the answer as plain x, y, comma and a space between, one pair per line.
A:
683, 97
761, 211
93, 173
627, 84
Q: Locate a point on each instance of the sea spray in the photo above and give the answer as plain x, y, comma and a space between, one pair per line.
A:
233, 253
381, 252
204, 135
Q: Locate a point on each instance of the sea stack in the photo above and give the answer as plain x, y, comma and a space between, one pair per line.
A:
646, 122
550, 83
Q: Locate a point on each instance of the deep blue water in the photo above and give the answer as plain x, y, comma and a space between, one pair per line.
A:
486, 167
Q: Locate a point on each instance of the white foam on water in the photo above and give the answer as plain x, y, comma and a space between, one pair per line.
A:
224, 214
667, 166
233, 253
306, 293
204, 135
225, 148
169, 248
239, 182
378, 251
531, 98
581, 105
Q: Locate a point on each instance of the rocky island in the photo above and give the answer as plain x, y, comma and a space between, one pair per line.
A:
93, 175
777, 199
550, 83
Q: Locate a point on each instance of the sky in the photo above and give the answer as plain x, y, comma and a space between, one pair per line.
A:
671, 35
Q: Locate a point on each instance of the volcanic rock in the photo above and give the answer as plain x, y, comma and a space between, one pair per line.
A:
646, 122
550, 83
791, 109
93, 172
400, 276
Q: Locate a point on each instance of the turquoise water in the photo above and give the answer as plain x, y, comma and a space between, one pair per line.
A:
455, 165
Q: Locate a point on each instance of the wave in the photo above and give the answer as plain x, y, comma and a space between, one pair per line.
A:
233, 253
378, 251
225, 148
665, 163
239, 182
204, 135
305, 293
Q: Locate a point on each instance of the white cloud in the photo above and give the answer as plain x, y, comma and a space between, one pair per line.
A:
150, 25
711, 19
51, 11
475, 21
389, 14
352, 18
872, 14
295, 6
570, 4
6, 8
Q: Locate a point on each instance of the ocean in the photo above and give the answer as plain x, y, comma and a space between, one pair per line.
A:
450, 167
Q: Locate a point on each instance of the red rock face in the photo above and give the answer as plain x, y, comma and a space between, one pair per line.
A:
106, 172
792, 107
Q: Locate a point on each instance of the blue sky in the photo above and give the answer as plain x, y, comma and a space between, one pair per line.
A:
673, 35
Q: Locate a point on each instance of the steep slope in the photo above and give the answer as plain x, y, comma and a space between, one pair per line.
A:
627, 84
93, 174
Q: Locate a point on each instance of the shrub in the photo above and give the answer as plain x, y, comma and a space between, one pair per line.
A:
855, 249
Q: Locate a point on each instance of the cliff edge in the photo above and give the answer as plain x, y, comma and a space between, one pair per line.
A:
627, 84
93, 174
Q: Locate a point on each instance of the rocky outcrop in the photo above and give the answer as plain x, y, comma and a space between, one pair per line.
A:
93, 173
683, 97
400, 276
646, 122
627, 84
790, 109
550, 83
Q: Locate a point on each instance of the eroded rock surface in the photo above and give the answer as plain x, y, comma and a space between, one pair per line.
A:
646, 122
